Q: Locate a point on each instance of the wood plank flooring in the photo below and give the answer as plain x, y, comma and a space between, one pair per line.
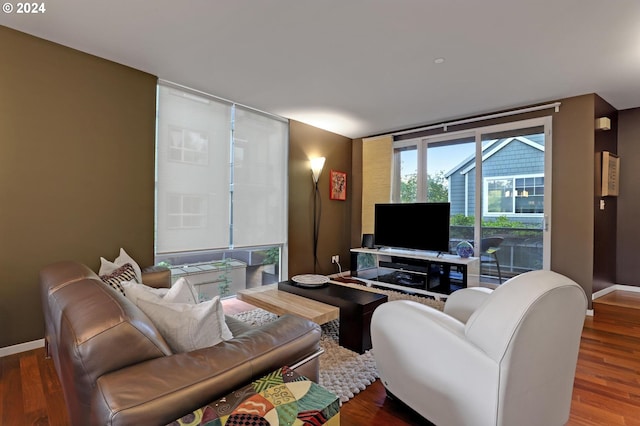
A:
606, 389
618, 304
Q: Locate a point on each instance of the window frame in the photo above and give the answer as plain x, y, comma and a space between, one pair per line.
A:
185, 144
514, 196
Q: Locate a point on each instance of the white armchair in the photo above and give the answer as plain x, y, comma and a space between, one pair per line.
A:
503, 357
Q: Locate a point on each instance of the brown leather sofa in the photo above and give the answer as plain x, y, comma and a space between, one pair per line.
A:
116, 368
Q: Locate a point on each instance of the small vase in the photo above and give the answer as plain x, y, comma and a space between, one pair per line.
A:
464, 249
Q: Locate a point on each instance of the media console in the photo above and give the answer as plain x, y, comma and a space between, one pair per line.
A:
414, 270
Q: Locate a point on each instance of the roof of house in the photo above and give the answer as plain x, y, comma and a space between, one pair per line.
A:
493, 146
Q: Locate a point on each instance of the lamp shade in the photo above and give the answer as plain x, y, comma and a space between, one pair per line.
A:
316, 167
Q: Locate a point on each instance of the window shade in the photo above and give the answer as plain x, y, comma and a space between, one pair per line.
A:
259, 179
221, 174
192, 172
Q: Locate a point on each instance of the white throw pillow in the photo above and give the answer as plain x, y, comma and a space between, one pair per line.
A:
134, 291
107, 267
181, 292
188, 327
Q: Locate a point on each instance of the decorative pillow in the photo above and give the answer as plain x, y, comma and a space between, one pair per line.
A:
134, 291
107, 267
188, 327
181, 292
119, 275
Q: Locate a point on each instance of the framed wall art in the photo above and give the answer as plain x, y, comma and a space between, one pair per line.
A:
610, 173
338, 185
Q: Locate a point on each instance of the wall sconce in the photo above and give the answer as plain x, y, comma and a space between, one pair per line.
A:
603, 123
316, 168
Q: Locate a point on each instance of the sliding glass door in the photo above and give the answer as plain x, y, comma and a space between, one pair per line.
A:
515, 200
498, 182
405, 169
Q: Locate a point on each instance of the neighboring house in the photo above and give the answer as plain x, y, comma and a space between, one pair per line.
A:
513, 180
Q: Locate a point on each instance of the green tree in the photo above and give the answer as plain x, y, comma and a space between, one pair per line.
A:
437, 188
409, 189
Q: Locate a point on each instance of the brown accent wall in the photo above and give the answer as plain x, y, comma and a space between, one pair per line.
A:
356, 199
604, 220
628, 266
76, 168
335, 223
573, 191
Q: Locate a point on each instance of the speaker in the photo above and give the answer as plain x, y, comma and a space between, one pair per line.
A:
367, 240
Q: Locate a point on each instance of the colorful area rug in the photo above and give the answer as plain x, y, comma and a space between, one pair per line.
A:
342, 371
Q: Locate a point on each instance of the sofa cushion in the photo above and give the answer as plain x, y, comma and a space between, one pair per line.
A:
106, 267
180, 292
187, 327
115, 278
134, 291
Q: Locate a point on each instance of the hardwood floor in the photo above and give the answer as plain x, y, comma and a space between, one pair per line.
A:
606, 389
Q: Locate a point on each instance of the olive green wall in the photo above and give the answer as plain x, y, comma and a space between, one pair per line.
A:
77, 138
306, 142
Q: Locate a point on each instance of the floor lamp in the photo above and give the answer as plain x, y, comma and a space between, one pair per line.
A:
316, 168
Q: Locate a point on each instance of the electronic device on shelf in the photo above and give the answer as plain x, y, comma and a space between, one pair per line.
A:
416, 226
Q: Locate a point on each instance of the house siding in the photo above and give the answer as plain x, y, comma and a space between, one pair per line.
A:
456, 191
514, 159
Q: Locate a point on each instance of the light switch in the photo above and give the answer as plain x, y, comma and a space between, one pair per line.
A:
601, 204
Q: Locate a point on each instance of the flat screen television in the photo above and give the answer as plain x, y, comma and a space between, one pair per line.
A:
416, 226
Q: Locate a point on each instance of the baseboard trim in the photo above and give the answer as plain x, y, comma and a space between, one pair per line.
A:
613, 288
22, 347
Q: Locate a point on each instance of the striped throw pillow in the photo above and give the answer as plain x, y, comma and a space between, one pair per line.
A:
124, 273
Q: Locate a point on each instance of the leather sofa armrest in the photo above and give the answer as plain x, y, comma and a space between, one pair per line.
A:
161, 390
156, 276
236, 326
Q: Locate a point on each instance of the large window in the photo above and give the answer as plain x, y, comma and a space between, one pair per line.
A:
221, 180
514, 195
405, 168
497, 180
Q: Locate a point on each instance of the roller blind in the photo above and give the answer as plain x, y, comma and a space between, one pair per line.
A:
259, 179
221, 174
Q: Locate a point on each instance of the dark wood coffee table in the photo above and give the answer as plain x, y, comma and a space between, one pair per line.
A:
356, 309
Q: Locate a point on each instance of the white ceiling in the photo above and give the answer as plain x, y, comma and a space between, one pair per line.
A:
364, 67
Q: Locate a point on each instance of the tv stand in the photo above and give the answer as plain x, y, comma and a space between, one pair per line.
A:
430, 273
